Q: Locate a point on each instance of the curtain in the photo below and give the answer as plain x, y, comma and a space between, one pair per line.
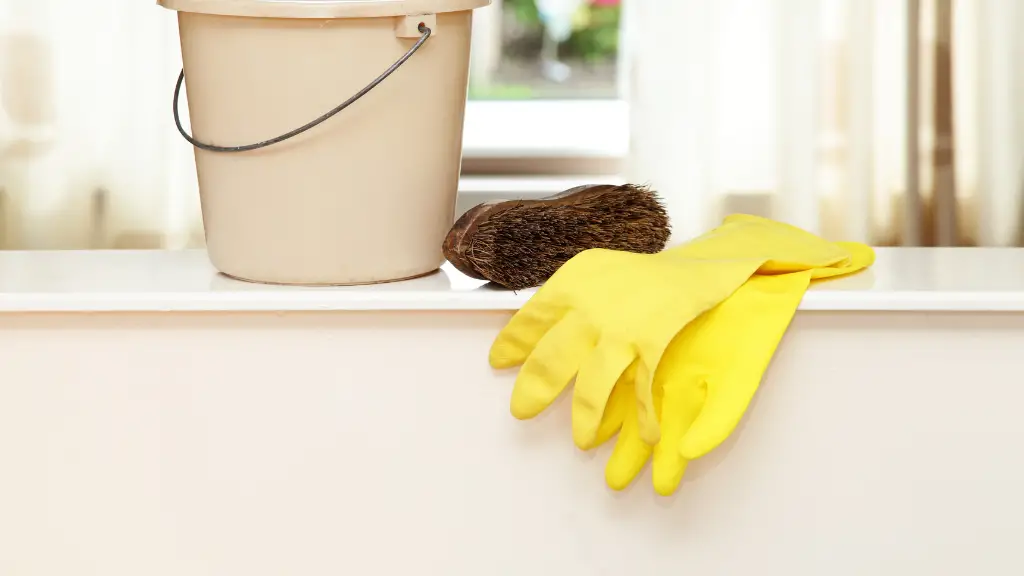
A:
796, 109
89, 157
890, 122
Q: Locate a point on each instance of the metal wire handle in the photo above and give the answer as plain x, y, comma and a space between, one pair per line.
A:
181, 77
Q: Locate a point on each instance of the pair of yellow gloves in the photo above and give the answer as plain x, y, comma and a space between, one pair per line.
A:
667, 349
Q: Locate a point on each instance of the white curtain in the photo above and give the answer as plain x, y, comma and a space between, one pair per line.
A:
797, 109
801, 109
89, 156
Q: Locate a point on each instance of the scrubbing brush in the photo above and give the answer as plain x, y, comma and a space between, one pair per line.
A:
519, 244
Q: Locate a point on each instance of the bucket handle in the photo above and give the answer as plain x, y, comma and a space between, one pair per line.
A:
425, 34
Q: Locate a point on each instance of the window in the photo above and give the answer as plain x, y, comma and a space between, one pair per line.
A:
551, 49
545, 89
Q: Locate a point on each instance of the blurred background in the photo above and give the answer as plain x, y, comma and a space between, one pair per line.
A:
543, 49
885, 121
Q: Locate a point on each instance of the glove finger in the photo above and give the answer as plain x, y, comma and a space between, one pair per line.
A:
619, 404
861, 256
552, 365
520, 336
598, 377
647, 416
724, 407
630, 454
681, 404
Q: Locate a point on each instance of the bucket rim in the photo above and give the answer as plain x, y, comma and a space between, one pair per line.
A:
321, 9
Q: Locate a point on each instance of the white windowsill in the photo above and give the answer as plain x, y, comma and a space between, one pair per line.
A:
527, 186
547, 128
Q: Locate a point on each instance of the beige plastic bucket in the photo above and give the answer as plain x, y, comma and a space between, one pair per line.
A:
368, 194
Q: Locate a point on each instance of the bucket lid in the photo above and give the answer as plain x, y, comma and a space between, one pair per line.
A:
321, 8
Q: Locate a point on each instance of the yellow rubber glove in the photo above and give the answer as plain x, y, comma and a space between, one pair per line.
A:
606, 311
709, 374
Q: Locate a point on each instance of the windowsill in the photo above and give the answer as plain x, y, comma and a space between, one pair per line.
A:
546, 129
507, 187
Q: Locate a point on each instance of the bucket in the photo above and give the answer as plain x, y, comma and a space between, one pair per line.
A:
327, 133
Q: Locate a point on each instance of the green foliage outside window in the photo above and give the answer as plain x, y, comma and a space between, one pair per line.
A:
590, 51
596, 29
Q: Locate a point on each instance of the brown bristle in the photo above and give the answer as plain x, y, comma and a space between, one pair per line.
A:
522, 245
